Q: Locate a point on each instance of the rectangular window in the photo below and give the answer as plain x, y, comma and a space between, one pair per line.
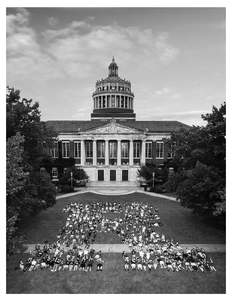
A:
100, 149
77, 149
124, 149
54, 173
171, 150
65, 149
113, 149
148, 149
54, 150
89, 149
126, 102
137, 149
159, 149
113, 101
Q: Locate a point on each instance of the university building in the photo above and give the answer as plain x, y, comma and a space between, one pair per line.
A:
112, 145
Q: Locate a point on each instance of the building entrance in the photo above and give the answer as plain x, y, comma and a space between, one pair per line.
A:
112, 175
124, 175
100, 174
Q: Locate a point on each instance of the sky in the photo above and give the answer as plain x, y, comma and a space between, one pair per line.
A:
174, 58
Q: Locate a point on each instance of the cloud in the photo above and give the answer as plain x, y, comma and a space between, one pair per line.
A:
192, 117
166, 51
52, 21
78, 49
163, 91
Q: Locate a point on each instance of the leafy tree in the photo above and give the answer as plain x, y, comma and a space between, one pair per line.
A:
28, 189
77, 175
15, 175
200, 156
24, 116
161, 175
15, 180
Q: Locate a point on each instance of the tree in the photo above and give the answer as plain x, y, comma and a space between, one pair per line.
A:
15, 175
200, 157
24, 116
15, 180
78, 175
28, 190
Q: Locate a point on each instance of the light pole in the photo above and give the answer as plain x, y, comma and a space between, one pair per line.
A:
71, 177
153, 180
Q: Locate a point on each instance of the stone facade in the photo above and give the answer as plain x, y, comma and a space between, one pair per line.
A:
112, 146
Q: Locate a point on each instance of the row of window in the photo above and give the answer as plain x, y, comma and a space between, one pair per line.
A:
112, 101
113, 146
113, 88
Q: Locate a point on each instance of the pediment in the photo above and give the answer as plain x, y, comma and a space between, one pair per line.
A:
113, 128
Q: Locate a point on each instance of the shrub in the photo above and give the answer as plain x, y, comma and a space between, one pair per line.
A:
200, 191
173, 181
66, 188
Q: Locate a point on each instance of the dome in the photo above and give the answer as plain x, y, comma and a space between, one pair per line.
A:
113, 97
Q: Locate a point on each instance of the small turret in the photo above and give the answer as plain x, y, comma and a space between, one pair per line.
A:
113, 69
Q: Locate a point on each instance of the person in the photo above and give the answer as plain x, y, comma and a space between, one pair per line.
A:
126, 262
100, 263
90, 261
139, 264
144, 262
133, 262
21, 265
155, 264
149, 265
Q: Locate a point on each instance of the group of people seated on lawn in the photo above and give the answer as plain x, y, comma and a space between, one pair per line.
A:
167, 256
136, 225
55, 258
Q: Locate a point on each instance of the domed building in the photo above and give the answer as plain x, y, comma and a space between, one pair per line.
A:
113, 97
112, 145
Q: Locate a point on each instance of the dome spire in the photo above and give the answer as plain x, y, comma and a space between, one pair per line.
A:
113, 69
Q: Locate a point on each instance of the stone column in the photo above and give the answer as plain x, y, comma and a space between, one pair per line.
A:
82, 152
131, 158
119, 153
106, 152
94, 152
110, 100
143, 153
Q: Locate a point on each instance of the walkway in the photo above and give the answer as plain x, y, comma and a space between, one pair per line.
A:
114, 192
119, 248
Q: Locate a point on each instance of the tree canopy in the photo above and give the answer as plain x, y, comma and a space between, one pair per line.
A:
28, 189
200, 157
24, 116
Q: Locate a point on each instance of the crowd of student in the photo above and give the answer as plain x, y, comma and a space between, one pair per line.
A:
136, 224
170, 257
56, 258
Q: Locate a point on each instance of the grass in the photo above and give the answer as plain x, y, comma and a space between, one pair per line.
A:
178, 222
114, 279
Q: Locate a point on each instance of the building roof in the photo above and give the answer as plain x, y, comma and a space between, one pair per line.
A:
151, 126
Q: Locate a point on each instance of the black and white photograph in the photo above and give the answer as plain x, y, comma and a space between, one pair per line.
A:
115, 149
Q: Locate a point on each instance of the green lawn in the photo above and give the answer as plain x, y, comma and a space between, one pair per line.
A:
114, 279
179, 223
